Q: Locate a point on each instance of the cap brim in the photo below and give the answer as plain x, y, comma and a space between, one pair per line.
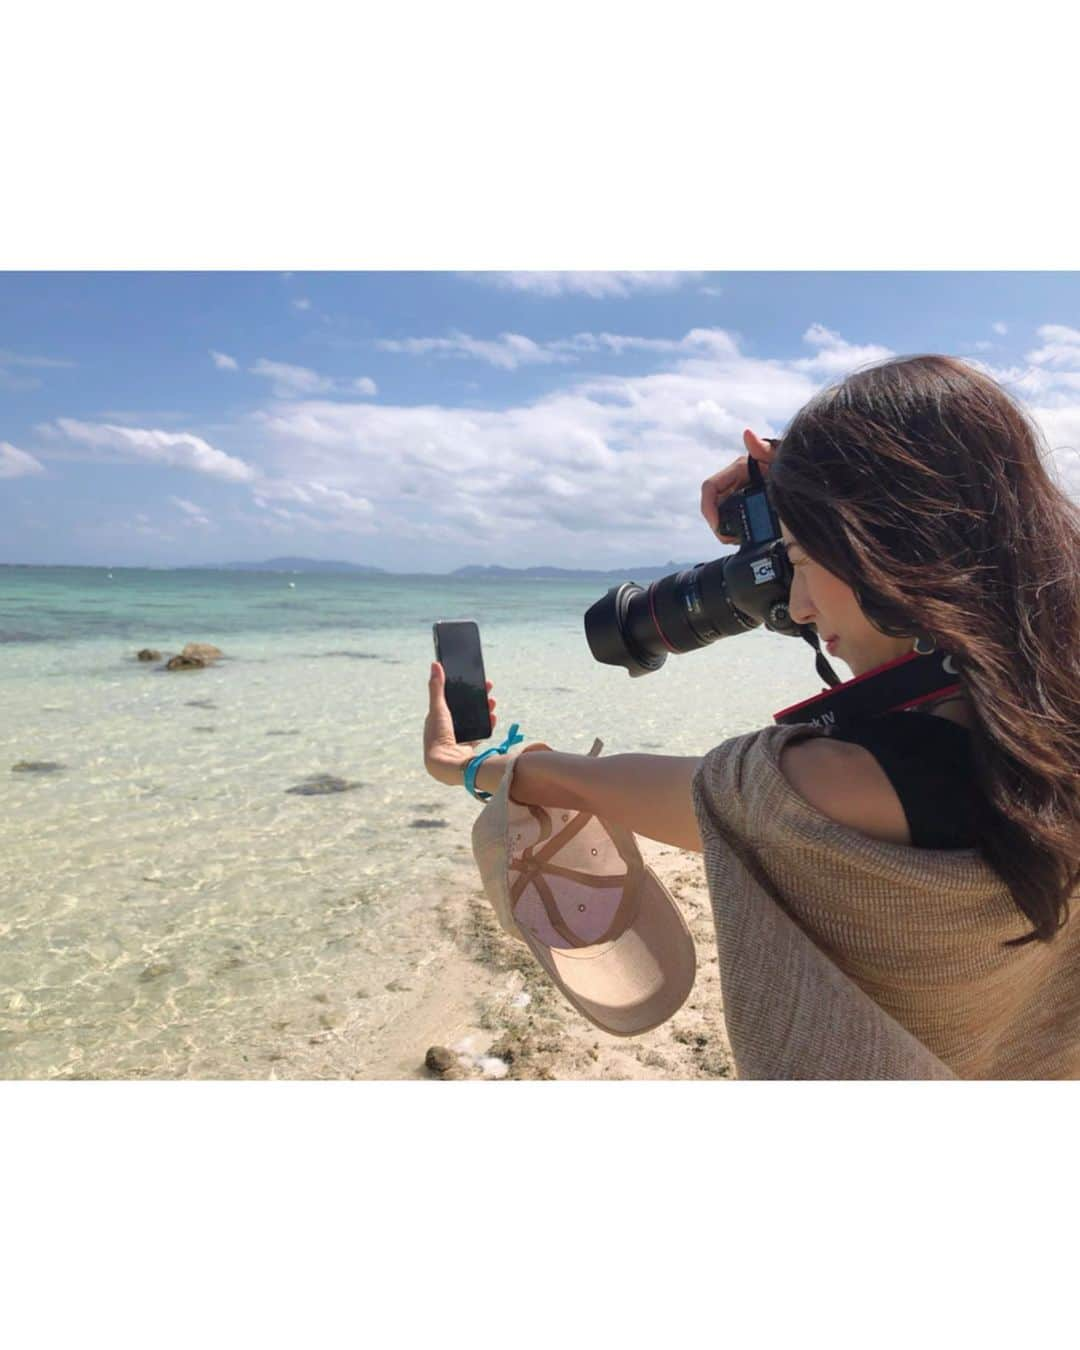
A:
635, 983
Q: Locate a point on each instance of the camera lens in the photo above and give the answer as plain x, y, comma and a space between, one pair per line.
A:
636, 626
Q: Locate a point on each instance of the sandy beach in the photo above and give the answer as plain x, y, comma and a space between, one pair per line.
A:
483, 998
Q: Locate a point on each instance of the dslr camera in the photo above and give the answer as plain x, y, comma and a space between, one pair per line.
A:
636, 626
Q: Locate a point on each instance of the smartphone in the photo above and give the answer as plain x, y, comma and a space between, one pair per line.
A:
457, 650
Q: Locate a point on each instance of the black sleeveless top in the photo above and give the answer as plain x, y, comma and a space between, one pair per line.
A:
928, 761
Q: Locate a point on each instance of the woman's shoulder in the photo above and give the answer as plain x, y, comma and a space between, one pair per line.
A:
904, 778
845, 782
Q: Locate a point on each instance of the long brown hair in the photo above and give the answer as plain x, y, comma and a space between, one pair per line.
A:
923, 485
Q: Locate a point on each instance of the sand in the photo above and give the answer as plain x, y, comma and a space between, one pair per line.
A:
488, 1007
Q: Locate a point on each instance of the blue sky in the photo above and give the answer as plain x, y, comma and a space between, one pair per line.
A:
419, 421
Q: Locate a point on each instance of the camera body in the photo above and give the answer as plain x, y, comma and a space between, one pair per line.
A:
636, 627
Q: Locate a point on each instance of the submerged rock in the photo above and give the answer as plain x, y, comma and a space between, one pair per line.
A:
37, 766
427, 824
183, 662
320, 783
148, 654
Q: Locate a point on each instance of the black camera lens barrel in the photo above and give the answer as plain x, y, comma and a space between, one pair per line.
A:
636, 626
691, 609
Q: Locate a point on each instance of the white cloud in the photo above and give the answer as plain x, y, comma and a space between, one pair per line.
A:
1000, 328
606, 464
291, 379
701, 341
8, 358
836, 357
301, 302
511, 350
195, 514
16, 382
179, 449
224, 362
299, 381
137, 417
333, 510
508, 351
598, 285
15, 463
1061, 346
607, 461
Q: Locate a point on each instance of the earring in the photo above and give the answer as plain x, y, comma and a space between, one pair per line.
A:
925, 645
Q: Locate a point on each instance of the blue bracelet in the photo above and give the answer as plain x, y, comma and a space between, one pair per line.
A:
512, 738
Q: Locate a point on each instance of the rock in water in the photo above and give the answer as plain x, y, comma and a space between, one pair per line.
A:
183, 662
320, 783
203, 650
36, 766
148, 654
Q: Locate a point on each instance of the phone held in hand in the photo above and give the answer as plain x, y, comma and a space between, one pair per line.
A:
457, 649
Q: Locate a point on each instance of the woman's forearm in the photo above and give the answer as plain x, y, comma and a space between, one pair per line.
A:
646, 794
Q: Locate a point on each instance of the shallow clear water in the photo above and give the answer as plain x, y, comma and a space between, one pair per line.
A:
167, 907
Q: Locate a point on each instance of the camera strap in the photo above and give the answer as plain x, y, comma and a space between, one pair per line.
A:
895, 686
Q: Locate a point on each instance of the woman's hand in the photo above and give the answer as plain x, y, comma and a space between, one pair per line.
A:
717, 489
444, 758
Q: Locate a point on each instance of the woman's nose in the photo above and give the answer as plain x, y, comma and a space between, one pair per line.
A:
800, 612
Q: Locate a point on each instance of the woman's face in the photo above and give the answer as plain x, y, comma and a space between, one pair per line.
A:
821, 599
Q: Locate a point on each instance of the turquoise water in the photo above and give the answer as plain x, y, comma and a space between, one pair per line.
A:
168, 908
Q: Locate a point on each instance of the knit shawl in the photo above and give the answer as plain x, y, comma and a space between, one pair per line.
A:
844, 956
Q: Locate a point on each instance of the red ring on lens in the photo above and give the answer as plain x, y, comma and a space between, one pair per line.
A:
656, 621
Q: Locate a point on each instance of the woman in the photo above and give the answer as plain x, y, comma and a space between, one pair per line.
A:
914, 502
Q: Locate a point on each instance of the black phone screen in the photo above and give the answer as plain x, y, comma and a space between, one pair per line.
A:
457, 649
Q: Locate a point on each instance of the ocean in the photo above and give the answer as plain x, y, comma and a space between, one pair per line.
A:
168, 908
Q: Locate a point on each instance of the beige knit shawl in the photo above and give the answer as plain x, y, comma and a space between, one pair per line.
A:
843, 956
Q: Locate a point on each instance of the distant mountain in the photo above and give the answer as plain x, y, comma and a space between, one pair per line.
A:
491, 572
650, 571
287, 565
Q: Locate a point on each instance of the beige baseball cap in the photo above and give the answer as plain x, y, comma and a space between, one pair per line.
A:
575, 890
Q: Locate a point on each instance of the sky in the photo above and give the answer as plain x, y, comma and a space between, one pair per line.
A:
422, 421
